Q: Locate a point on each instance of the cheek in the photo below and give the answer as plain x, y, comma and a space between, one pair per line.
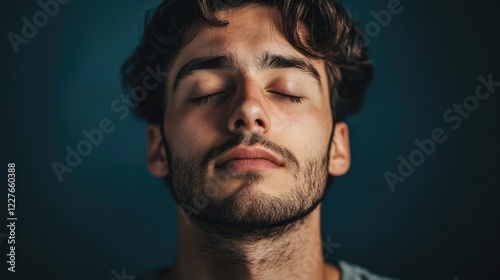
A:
190, 136
309, 133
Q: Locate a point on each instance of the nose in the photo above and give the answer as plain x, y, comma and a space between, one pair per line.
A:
249, 113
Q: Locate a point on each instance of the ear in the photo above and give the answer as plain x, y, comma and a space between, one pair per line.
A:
157, 158
340, 152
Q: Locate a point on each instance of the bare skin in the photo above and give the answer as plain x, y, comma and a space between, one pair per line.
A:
302, 128
298, 254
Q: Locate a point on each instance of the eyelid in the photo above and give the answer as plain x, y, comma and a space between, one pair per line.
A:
197, 101
202, 76
290, 97
283, 91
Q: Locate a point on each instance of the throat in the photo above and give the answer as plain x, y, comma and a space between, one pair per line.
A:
290, 251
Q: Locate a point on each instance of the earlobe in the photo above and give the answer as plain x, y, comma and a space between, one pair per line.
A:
156, 155
340, 152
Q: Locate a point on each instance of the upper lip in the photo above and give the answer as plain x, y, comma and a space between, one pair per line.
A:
247, 153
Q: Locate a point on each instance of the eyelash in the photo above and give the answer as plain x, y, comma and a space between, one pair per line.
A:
205, 99
294, 99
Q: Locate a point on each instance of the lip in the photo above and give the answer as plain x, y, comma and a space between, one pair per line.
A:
248, 155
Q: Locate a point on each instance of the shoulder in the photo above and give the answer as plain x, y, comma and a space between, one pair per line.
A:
353, 272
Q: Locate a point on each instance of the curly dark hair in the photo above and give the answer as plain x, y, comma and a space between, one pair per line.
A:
332, 36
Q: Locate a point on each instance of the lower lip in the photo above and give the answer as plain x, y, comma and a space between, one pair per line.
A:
248, 165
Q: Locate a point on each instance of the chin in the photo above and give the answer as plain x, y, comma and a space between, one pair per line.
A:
270, 182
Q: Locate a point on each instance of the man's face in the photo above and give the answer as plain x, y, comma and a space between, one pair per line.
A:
248, 124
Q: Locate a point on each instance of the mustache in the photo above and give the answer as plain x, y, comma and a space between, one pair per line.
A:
248, 140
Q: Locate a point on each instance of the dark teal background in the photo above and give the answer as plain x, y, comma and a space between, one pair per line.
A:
109, 213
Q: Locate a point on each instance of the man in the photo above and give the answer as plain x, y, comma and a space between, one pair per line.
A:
247, 130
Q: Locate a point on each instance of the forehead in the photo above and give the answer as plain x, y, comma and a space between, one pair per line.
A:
252, 30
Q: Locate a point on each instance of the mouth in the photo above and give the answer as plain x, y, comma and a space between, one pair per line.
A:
248, 159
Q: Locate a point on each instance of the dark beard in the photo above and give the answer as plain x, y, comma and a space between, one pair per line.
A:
246, 214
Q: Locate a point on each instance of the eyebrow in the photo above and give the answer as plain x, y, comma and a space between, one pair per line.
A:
203, 63
268, 61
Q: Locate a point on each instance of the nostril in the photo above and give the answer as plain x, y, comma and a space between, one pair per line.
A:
239, 123
260, 122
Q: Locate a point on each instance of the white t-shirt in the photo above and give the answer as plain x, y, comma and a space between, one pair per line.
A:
347, 272
353, 272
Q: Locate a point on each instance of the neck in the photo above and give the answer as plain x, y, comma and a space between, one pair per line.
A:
293, 253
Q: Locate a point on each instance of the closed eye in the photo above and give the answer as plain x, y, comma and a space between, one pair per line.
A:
207, 98
287, 97
204, 99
